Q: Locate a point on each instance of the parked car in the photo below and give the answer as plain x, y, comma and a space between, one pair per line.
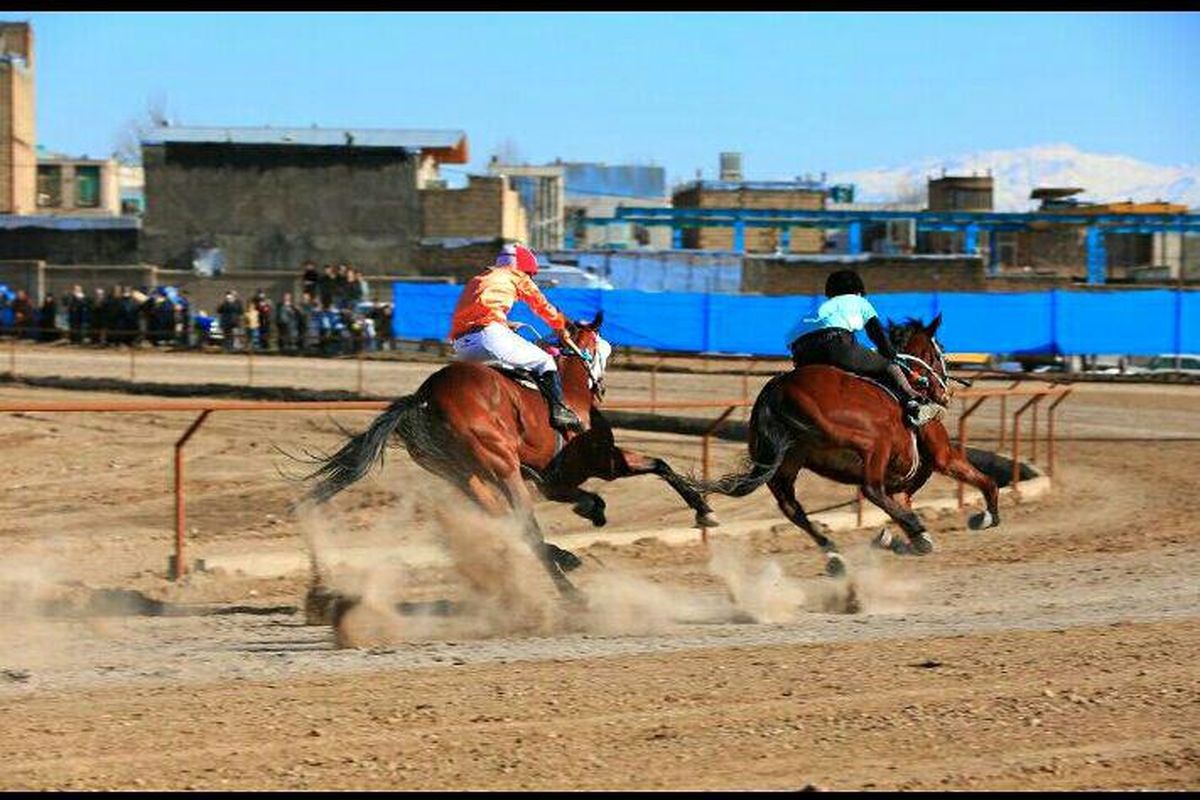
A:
1183, 363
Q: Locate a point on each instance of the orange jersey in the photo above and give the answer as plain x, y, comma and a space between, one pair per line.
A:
489, 296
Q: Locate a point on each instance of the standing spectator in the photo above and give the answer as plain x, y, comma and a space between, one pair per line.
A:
353, 289
265, 314
288, 321
48, 319
229, 315
340, 285
325, 287
23, 319
308, 282
127, 316
310, 332
95, 313
251, 321
77, 313
364, 288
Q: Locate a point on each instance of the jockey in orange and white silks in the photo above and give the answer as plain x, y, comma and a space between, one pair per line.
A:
480, 330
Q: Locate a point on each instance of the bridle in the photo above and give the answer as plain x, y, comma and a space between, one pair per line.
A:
941, 375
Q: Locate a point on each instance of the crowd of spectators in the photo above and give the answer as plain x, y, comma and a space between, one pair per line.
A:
334, 316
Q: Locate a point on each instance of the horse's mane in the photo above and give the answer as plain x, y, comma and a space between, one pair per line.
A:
899, 333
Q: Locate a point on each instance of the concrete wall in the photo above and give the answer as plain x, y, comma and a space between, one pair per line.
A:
274, 207
798, 275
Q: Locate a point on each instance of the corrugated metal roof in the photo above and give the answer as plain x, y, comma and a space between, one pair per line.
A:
415, 139
12, 221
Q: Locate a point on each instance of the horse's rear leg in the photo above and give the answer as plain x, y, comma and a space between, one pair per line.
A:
783, 485
522, 505
588, 505
629, 462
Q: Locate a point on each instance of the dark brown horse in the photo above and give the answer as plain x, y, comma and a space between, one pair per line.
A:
851, 430
485, 433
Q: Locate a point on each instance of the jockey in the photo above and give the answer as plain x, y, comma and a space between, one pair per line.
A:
480, 329
828, 338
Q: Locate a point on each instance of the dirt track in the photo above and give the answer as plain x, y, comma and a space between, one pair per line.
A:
1055, 651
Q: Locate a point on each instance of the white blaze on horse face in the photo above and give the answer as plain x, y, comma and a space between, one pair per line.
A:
600, 357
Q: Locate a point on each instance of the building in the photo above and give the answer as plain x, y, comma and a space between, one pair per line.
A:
77, 186
731, 191
18, 157
486, 208
956, 193
559, 198
1062, 249
271, 198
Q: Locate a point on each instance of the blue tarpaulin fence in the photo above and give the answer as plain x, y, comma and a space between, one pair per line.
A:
1064, 322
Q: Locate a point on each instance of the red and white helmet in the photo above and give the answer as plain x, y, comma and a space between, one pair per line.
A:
520, 256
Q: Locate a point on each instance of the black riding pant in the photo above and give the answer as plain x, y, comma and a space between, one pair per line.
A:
837, 347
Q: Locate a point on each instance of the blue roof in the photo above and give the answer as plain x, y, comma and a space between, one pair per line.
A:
415, 139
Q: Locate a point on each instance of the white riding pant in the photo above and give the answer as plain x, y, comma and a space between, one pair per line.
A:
500, 343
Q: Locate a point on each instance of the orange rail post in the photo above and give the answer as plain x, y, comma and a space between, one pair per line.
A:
1050, 432
1016, 456
180, 522
1004, 413
962, 438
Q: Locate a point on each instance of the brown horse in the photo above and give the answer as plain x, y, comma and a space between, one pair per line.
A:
851, 430
485, 433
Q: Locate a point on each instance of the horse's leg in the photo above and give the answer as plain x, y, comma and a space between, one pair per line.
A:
522, 504
628, 463
875, 462
783, 485
588, 505
949, 461
953, 464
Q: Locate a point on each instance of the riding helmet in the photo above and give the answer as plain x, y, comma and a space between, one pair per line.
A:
844, 281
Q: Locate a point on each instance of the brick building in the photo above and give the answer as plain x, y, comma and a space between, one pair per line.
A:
18, 158
270, 198
77, 186
487, 207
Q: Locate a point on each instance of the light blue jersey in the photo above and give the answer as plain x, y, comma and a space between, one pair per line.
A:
848, 311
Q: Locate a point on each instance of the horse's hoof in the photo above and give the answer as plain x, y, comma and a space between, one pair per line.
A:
835, 565
883, 541
565, 559
705, 519
983, 519
921, 543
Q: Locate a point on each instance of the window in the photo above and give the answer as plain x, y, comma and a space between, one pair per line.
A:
87, 186
49, 186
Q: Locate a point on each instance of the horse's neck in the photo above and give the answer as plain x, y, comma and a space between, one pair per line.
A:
576, 384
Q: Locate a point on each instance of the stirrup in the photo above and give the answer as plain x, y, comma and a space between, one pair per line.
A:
564, 418
924, 413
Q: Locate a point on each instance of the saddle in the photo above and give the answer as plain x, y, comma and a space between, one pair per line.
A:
522, 377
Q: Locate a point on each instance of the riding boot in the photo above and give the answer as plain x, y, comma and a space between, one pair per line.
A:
561, 415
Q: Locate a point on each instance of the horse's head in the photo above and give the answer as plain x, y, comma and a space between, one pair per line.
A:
587, 337
922, 355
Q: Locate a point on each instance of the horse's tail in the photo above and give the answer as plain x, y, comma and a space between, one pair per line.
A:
356, 457
771, 441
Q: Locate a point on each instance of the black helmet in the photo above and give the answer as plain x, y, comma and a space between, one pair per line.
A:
844, 281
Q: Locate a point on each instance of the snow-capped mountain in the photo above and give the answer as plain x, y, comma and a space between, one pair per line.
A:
1104, 178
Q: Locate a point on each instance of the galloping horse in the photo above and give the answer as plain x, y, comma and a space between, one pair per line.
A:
485, 433
851, 430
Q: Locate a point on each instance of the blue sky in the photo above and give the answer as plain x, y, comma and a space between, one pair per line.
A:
793, 92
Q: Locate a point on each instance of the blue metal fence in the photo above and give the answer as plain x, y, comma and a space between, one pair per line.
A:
1132, 322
